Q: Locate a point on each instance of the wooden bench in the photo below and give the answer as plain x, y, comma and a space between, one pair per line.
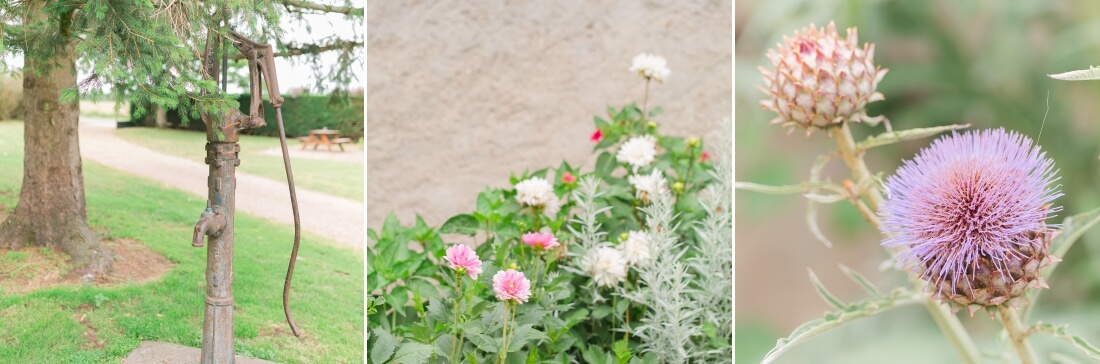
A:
340, 142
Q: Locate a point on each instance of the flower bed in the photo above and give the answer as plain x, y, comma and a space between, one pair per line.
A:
629, 262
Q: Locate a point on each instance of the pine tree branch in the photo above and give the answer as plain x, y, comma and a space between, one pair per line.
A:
303, 49
346, 10
314, 49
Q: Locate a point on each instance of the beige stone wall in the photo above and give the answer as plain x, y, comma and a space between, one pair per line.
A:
461, 92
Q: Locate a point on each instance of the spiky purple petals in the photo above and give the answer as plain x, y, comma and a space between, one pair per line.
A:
968, 210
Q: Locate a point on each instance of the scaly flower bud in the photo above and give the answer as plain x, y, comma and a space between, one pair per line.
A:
820, 79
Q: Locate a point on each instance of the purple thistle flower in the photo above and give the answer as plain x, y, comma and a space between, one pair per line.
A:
966, 210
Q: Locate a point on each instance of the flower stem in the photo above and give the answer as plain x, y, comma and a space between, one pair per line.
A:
458, 298
1018, 334
645, 101
947, 322
504, 337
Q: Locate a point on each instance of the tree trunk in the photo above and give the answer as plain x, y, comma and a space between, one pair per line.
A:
162, 117
51, 210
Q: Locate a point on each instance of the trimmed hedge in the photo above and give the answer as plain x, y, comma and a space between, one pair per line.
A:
300, 115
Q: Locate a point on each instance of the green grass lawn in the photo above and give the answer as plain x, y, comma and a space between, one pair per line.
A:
337, 178
44, 326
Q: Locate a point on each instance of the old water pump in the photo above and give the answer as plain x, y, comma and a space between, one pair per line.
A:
222, 135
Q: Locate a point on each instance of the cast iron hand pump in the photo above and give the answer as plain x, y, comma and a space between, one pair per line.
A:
222, 134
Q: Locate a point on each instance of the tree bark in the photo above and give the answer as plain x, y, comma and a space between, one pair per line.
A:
162, 117
51, 210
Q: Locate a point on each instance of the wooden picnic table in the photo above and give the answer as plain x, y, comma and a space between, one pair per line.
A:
325, 137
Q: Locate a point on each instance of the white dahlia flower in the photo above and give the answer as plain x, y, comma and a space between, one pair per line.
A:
535, 192
650, 67
636, 248
638, 151
648, 186
606, 266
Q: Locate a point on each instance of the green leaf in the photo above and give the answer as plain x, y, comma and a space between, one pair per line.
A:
861, 281
892, 137
444, 344
824, 199
531, 316
1077, 341
835, 319
412, 352
824, 293
605, 164
1092, 73
439, 311
621, 349
483, 342
383, 347
811, 206
397, 299
601, 312
523, 334
788, 189
464, 224
576, 316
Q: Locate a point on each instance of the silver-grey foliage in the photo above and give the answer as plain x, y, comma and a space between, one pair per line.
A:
665, 289
714, 263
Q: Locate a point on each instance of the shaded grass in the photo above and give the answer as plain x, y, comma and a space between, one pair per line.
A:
45, 326
337, 178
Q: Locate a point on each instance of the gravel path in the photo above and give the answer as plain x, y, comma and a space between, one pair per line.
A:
337, 218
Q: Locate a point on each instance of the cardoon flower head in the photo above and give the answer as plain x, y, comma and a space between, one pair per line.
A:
819, 79
464, 260
969, 216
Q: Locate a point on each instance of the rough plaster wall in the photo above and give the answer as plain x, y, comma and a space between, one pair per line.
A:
460, 93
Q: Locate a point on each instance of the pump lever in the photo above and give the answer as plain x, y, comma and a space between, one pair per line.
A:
261, 67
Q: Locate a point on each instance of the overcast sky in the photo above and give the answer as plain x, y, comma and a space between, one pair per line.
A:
295, 71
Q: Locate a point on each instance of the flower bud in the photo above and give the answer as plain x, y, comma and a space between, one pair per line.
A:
693, 142
820, 79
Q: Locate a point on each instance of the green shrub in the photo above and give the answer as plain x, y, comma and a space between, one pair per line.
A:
11, 97
300, 115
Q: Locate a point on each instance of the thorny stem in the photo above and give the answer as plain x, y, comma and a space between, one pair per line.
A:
947, 322
1018, 334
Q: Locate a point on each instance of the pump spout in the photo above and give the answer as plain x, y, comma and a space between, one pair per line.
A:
210, 223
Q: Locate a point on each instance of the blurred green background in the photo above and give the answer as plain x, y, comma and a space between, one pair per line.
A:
950, 62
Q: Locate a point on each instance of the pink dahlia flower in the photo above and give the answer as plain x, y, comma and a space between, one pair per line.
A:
540, 240
511, 285
597, 136
463, 259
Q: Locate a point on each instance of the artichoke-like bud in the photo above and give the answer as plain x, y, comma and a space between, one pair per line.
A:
992, 283
820, 79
